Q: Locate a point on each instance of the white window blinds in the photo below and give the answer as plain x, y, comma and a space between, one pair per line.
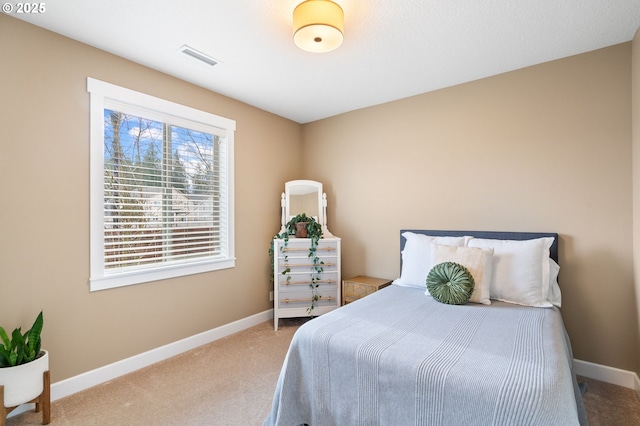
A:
166, 194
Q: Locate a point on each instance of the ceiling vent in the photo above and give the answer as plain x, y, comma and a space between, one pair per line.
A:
190, 51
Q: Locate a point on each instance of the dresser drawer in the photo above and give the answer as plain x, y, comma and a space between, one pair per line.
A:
302, 299
299, 247
291, 279
297, 264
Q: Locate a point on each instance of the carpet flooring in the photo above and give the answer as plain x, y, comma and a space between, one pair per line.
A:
231, 382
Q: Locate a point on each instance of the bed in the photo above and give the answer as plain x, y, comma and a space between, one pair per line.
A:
401, 357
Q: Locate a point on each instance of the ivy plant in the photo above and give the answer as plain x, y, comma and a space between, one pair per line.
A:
314, 233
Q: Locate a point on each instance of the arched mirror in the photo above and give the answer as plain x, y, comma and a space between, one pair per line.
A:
304, 196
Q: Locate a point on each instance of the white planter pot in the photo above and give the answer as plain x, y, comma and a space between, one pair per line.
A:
23, 383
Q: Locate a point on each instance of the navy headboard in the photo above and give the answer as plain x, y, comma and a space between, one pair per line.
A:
553, 251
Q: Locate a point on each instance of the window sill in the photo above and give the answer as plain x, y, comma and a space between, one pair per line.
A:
160, 273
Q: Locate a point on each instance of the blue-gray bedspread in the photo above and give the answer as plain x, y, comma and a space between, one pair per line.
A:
398, 357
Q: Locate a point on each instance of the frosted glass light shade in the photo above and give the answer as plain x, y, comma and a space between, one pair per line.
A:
318, 25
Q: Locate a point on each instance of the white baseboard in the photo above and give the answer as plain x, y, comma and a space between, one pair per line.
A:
616, 376
120, 368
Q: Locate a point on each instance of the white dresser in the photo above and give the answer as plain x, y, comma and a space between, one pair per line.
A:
296, 275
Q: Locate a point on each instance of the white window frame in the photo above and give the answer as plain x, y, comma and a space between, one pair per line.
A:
103, 94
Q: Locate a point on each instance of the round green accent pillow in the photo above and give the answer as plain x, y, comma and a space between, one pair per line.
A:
451, 283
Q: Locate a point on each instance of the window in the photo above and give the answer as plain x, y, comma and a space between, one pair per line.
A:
161, 188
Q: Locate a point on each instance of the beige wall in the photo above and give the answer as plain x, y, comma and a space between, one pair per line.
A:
635, 126
546, 148
44, 219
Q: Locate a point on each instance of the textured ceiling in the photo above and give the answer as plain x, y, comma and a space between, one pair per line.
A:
392, 49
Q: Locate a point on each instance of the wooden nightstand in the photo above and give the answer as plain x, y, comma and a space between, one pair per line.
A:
360, 286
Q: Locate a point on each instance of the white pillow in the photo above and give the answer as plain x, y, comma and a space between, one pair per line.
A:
520, 270
477, 260
417, 258
554, 297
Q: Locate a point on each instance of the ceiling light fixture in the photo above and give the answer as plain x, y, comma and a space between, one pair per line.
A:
318, 26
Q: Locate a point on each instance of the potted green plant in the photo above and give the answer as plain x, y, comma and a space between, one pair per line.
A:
303, 226
313, 231
22, 365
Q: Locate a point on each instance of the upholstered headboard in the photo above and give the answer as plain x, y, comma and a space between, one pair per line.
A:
553, 251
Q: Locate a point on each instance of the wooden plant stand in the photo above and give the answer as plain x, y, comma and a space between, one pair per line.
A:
43, 402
